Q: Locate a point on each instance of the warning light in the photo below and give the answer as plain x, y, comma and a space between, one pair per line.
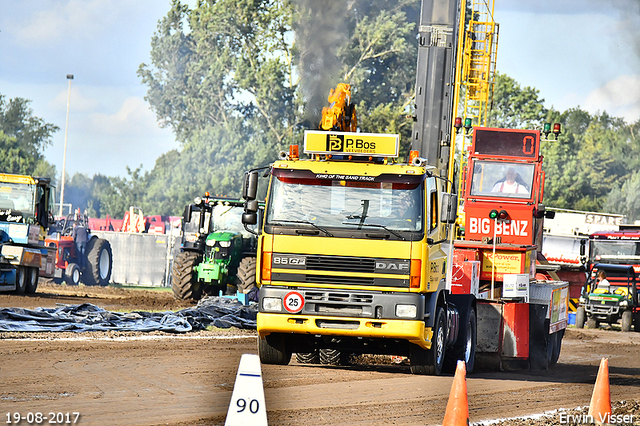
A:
206, 194
412, 155
293, 152
546, 130
467, 125
457, 123
556, 129
500, 215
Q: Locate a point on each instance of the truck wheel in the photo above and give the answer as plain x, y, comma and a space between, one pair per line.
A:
580, 317
627, 319
246, 274
72, 274
333, 357
308, 357
21, 280
99, 260
557, 345
592, 323
32, 280
273, 350
465, 347
184, 280
430, 361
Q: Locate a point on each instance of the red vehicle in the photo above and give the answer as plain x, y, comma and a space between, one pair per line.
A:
503, 186
97, 259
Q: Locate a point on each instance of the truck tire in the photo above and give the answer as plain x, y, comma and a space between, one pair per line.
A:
184, 280
333, 357
21, 280
246, 274
557, 346
592, 323
99, 262
465, 347
627, 319
32, 280
423, 361
308, 357
636, 322
72, 274
580, 317
273, 350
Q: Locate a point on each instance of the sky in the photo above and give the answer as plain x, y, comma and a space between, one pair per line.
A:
576, 53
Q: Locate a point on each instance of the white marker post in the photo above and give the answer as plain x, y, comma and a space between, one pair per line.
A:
247, 406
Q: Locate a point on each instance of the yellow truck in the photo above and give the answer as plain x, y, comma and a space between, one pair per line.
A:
350, 258
26, 206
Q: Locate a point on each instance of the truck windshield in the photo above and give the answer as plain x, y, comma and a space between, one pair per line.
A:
502, 179
623, 252
17, 201
326, 201
229, 218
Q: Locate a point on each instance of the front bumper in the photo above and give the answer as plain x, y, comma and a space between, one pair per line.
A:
352, 314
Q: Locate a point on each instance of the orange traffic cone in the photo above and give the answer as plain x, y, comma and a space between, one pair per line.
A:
600, 407
457, 413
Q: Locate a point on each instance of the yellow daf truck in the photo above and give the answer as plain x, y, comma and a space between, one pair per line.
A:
350, 258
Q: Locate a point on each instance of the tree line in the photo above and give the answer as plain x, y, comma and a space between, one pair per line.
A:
239, 81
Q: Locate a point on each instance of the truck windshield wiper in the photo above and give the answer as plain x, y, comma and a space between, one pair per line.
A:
375, 225
306, 222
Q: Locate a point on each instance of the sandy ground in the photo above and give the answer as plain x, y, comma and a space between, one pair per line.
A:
164, 379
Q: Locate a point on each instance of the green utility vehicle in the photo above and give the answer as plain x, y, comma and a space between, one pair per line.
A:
217, 253
619, 302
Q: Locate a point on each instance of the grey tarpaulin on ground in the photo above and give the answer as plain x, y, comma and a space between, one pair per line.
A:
212, 311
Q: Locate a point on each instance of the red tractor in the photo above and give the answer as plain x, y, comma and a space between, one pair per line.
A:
92, 268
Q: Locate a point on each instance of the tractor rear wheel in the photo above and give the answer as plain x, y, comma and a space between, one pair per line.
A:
98, 262
246, 274
184, 280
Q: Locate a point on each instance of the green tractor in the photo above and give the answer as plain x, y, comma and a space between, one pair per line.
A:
619, 302
217, 253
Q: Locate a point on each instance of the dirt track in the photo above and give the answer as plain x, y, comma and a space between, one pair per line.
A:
162, 379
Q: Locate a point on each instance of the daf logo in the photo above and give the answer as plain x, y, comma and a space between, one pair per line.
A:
392, 266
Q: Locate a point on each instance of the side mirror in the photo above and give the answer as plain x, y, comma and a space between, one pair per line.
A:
187, 213
583, 249
249, 218
250, 186
449, 211
250, 215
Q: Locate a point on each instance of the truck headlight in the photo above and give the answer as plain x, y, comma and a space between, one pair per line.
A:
273, 304
225, 243
406, 311
582, 300
624, 303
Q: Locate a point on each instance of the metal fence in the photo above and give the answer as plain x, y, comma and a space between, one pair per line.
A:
141, 259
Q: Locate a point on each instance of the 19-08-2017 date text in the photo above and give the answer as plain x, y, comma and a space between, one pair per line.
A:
38, 418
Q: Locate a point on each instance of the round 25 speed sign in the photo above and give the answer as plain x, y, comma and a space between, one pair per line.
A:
293, 302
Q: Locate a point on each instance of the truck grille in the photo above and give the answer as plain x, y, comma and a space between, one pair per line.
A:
331, 279
341, 264
337, 297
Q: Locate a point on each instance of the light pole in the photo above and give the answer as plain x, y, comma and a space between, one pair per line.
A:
64, 157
